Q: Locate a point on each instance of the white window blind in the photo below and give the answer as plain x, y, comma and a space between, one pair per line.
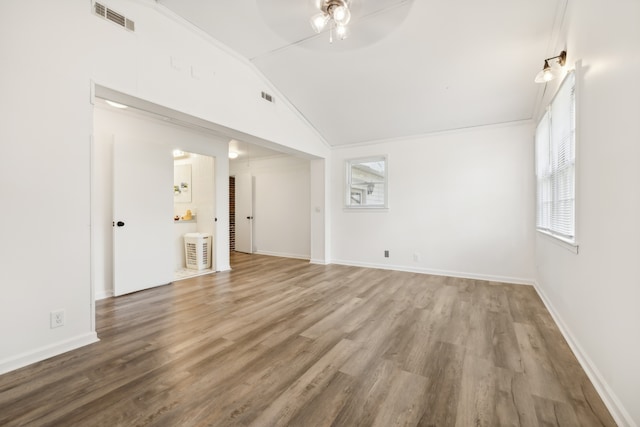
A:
555, 164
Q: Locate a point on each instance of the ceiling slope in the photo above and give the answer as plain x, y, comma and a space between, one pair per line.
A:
408, 67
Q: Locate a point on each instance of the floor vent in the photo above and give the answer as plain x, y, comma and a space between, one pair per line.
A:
268, 97
113, 16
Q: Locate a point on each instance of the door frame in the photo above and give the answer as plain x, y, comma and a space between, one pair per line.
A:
204, 142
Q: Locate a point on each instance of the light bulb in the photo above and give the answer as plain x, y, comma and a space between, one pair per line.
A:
233, 155
546, 75
115, 104
319, 21
341, 32
341, 15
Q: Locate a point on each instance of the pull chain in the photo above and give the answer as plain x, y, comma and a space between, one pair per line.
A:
331, 27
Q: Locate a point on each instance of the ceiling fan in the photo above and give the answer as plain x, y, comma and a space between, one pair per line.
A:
334, 13
363, 21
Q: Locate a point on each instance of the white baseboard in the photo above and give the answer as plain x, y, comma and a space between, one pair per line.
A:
103, 294
434, 272
46, 352
283, 255
618, 412
318, 261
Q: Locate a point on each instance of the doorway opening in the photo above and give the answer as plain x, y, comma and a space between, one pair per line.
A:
136, 241
232, 214
243, 212
193, 214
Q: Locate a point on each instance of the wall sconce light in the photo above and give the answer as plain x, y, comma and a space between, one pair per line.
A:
233, 155
547, 74
370, 187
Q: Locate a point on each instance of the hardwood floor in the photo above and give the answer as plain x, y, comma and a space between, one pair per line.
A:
281, 342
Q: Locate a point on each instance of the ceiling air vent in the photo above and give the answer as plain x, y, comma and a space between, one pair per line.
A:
268, 97
113, 16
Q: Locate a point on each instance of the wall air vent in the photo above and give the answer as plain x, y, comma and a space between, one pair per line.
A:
113, 16
99, 10
268, 97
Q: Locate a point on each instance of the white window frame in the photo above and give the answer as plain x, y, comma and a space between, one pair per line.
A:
554, 216
349, 184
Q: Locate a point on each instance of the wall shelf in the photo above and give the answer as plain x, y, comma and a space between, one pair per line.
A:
186, 221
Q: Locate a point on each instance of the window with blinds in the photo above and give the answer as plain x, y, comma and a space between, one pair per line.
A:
555, 164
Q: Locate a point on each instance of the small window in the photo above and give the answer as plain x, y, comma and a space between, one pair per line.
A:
366, 183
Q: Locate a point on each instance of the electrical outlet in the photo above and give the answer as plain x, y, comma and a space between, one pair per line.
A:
57, 318
416, 257
386, 254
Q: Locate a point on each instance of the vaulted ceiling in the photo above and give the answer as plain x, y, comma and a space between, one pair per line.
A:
408, 67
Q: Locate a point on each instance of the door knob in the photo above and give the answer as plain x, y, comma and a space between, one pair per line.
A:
249, 217
120, 224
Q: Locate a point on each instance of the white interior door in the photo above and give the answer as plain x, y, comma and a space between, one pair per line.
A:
142, 215
244, 213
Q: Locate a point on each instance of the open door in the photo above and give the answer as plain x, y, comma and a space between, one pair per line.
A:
244, 213
142, 215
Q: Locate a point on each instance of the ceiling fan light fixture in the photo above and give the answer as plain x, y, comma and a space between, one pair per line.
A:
335, 14
340, 14
319, 21
342, 32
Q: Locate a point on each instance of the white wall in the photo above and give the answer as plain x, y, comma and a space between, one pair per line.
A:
281, 209
320, 177
595, 294
52, 56
462, 201
171, 63
46, 120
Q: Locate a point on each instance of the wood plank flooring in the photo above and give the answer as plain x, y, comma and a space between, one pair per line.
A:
280, 342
